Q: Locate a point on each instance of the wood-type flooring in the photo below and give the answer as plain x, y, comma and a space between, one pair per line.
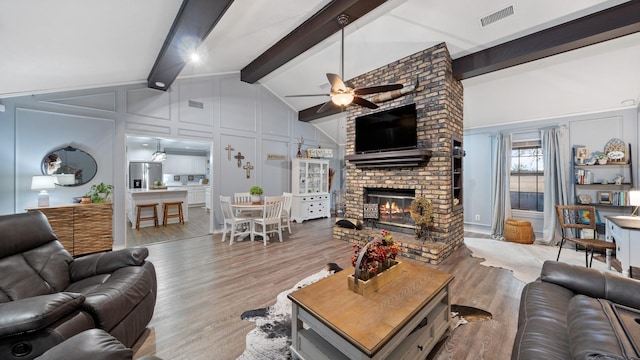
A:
204, 285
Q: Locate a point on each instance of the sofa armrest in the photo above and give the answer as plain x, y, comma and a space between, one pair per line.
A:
94, 344
592, 282
36, 312
106, 262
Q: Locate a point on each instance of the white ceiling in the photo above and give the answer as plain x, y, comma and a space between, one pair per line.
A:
73, 44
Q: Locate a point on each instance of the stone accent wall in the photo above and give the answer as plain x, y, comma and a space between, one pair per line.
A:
439, 103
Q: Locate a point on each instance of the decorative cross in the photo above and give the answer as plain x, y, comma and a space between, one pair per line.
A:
239, 157
229, 150
248, 167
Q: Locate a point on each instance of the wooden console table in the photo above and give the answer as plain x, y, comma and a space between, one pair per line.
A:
81, 228
403, 320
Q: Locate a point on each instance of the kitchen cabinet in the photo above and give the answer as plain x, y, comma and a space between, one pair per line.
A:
207, 198
185, 165
310, 183
196, 194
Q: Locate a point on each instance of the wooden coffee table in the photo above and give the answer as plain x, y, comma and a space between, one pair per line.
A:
403, 320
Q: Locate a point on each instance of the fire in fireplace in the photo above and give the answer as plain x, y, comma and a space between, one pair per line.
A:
394, 208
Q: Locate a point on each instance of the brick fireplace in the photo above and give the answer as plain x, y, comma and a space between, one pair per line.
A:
439, 101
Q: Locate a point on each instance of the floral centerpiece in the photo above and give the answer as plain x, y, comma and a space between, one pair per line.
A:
375, 257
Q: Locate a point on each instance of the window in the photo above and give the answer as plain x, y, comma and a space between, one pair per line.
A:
527, 180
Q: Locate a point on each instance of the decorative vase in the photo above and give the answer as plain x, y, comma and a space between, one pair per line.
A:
602, 161
256, 199
299, 154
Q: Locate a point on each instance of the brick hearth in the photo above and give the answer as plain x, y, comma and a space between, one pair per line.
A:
439, 101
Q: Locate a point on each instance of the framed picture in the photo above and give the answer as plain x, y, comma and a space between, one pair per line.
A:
582, 153
604, 197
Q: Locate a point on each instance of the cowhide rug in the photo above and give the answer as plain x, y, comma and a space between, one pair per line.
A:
271, 338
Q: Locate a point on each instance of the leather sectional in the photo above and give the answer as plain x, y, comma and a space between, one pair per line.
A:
574, 312
47, 296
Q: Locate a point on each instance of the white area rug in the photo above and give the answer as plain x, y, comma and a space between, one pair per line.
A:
271, 338
523, 259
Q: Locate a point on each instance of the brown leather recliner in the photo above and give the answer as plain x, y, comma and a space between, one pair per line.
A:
47, 296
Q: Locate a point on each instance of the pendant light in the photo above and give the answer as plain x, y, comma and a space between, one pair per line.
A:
159, 155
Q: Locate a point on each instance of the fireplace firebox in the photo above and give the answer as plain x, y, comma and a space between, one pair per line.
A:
394, 208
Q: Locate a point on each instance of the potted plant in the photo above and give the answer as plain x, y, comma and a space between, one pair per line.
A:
256, 193
100, 192
602, 158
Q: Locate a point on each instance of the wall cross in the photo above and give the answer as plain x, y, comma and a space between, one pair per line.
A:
239, 157
229, 150
248, 167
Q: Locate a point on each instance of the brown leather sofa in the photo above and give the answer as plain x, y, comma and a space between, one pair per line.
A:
47, 296
574, 312
94, 344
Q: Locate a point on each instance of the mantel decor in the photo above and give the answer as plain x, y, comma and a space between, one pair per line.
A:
374, 264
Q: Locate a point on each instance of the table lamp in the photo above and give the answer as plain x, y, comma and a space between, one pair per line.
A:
42, 183
634, 200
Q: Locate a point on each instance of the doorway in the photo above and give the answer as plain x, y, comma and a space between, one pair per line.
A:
186, 171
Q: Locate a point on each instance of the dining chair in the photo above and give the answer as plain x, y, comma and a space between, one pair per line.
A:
573, 220
239, 225
270, 221
243, 197
287, 199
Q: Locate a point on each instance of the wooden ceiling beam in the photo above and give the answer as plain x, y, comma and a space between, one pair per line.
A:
314, 30
604, 25
195, 20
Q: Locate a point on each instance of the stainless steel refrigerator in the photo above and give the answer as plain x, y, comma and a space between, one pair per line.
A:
143, 174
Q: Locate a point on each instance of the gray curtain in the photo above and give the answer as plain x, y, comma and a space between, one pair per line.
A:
555, 181
500, 188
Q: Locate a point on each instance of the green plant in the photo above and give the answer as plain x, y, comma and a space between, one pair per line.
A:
255, 190
158, 182
100, 192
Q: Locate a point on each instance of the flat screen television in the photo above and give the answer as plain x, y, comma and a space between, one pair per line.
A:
393, 129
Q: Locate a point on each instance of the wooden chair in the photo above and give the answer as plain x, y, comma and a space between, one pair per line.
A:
243, 224
179, 215
243, 198
271, 220
139, 216
573, 220
286, 210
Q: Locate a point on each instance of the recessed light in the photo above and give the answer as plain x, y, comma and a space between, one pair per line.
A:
160, 84
628, 102
145, 144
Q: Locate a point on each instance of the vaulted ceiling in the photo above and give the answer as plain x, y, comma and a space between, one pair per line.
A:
73, 44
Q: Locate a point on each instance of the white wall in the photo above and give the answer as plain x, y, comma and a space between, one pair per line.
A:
591, 130
246, 116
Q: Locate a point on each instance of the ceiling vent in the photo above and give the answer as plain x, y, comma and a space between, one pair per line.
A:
497, 16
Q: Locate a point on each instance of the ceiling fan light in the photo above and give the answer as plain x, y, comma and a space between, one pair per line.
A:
342, 99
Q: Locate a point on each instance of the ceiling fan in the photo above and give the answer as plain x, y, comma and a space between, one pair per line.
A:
343, 94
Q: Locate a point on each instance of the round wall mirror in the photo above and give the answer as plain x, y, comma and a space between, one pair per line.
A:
71, 166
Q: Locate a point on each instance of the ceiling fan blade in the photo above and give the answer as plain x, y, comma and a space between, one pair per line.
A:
363, 102
336, 83
306, 95
328, 105
377, 89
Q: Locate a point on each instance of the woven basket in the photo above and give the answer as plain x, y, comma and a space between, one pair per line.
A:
518, 231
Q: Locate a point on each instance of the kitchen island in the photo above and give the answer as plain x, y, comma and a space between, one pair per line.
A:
144, 196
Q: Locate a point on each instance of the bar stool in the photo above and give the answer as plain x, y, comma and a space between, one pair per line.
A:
139, 208
177, 215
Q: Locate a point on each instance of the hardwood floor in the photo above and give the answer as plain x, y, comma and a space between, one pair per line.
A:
197, 225
204, 285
